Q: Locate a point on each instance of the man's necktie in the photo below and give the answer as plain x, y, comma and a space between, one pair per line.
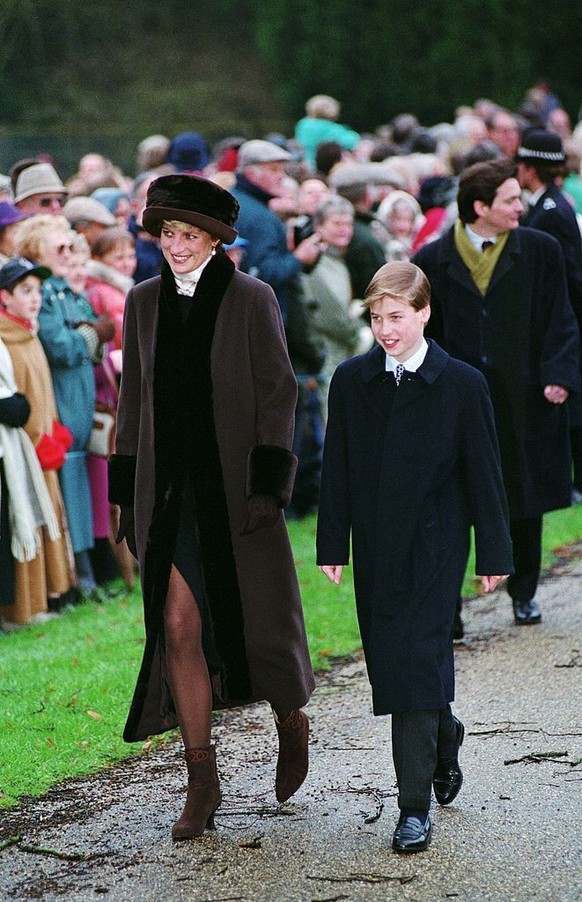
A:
398, 373
487, 244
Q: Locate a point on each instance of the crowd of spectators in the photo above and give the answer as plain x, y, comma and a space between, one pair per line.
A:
320, 211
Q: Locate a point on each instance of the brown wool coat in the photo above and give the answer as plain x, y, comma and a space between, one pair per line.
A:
253, 397
52, 570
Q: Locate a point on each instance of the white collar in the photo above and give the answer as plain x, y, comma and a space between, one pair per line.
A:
186, 282
535, 196
412, 364
477, 240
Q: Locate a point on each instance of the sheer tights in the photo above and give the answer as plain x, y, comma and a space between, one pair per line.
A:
187, 668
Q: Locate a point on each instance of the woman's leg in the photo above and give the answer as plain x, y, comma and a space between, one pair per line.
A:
192, 692
187, 668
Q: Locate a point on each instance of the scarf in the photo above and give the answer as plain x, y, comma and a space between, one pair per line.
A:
481, 264
29, 503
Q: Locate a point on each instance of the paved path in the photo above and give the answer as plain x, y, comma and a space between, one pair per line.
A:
513, 834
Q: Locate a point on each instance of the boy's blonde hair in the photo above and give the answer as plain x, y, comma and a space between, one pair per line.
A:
400, 280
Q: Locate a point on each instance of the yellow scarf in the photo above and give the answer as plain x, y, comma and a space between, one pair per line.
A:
481, 264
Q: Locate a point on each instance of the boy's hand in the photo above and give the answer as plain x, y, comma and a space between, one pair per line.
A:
333, 572
490, 583
555, 394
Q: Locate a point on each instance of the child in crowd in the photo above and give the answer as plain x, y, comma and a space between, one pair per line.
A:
111, 268
411, 460
44, 570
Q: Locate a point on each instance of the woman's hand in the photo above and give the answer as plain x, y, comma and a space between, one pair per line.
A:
333, 572
490, 583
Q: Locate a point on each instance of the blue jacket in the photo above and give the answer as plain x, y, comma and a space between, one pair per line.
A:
267, 256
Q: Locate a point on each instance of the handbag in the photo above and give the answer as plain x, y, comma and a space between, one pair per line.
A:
102, 436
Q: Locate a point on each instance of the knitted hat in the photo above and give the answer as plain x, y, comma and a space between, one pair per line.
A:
190, 198
540, 146
40, 178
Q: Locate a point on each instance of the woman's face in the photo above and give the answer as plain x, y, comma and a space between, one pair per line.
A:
402, 222
56, 252
337, 230
185, 246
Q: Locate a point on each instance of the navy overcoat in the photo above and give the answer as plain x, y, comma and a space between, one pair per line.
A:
406, 470
522, 335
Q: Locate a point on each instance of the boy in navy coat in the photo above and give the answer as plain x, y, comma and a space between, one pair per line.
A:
411, 460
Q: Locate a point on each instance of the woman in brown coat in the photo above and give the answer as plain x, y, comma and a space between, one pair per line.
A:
202, 470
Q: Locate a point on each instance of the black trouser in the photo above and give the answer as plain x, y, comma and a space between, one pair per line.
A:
526, 536
419, 738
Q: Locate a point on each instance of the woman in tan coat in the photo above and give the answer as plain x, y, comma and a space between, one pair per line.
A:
42, 582
202, 469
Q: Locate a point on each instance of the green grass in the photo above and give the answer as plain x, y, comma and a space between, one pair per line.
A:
65, 687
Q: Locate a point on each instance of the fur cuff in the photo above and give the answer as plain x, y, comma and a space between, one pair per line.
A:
271, 471
122, 479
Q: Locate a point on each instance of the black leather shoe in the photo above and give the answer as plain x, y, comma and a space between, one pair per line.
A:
412, 834
448, 776
526, 612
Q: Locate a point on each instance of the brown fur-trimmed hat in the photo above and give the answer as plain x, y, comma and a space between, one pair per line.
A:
190, 198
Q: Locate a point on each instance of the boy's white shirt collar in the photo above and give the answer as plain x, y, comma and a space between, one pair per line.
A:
412, 364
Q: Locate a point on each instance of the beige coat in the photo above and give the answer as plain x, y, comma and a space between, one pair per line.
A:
51, 572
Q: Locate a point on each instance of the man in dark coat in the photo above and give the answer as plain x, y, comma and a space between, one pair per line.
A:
540, 161
202, 469
260, 173
410, 461
500, 302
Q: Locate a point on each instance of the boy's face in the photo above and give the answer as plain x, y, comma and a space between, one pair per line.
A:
398, 328
23, 299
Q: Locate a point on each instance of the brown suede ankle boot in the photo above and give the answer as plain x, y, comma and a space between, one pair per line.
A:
203, 794
293, 760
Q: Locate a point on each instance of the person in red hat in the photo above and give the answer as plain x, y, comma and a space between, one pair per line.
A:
202, 469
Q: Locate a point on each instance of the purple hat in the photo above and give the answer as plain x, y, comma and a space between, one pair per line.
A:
190, 198
10, 214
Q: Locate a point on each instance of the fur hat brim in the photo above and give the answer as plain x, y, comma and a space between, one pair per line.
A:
153, 218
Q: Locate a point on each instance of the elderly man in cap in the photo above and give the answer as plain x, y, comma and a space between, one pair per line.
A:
540, 161
39, 190
367, 250
260, 174
88, 217
500, 302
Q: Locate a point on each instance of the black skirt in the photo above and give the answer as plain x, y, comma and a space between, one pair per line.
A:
187, 560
